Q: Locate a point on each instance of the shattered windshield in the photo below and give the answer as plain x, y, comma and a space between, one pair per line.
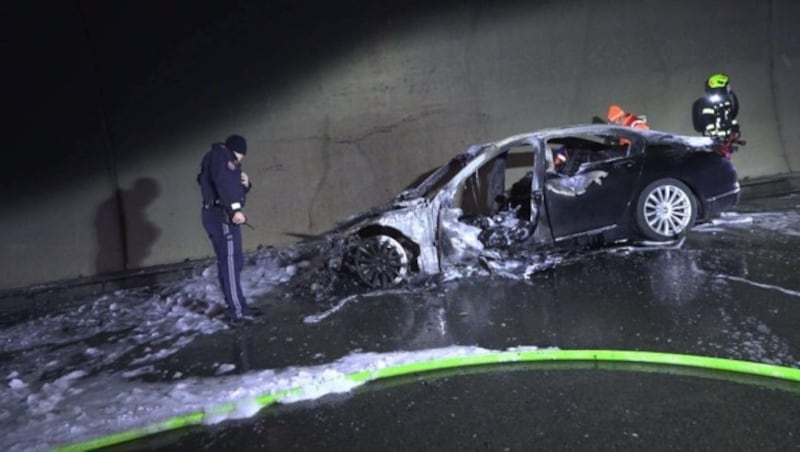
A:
431, 185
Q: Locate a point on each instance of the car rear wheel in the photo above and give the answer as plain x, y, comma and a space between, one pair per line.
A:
380, 261
666, 210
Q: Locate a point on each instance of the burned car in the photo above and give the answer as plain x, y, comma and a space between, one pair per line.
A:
615, 185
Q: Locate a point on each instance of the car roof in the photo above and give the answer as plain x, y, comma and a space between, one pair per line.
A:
650, 136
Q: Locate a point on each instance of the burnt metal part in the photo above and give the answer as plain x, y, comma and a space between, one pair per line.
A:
508, 197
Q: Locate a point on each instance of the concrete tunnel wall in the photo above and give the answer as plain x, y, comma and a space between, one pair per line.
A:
343, 105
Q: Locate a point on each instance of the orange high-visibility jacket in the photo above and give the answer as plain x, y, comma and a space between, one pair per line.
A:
617, 115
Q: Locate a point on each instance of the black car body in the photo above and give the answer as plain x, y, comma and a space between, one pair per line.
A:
618, 185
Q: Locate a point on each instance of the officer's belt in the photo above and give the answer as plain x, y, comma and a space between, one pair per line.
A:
210, 204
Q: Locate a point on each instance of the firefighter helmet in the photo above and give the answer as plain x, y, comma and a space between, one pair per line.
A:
718, 83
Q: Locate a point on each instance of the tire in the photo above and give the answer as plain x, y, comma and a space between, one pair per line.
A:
666, 210
380, 261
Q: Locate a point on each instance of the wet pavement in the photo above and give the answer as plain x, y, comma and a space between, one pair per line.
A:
520, 408
731, 291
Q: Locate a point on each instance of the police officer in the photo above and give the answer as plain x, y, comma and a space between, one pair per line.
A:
714, 115
223, 185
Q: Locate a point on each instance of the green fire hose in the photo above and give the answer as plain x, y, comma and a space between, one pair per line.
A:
488, 357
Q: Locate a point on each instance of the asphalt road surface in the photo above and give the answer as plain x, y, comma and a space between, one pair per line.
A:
731, 291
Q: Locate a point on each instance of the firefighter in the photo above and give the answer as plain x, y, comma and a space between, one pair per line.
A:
224, 185
714, 115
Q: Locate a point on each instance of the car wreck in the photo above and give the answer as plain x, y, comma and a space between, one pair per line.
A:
510, 197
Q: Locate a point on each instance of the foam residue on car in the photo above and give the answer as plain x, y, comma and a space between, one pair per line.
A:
461, 242
575, 185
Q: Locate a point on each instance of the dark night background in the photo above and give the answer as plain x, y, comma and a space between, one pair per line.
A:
109, 105
73, 67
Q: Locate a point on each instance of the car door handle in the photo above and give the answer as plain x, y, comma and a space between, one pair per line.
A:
623, 164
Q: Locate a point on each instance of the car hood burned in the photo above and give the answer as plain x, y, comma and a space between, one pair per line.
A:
423, 217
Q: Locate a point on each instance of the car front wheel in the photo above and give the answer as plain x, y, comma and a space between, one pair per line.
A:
666, 210
380, 261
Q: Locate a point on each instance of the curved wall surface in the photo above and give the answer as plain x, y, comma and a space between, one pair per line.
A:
342, 106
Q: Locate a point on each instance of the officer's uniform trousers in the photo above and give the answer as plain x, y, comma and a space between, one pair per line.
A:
227, 240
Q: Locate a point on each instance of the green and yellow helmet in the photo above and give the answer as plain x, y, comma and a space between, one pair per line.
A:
717, 83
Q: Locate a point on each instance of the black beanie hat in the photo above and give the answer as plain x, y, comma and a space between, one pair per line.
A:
236, 143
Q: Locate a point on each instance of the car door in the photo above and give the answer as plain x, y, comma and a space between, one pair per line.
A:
593, 193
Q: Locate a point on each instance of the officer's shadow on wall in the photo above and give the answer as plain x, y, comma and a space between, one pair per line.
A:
124, 233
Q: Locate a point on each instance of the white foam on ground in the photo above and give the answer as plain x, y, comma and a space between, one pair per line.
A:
785, 222
791, 292
60, 380
78, 407
53, 360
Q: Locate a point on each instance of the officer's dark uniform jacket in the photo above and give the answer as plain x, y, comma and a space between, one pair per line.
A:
220, 180
223, 196
716, 117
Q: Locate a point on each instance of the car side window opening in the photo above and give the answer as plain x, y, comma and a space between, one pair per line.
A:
569, 156
502, 184
431, 185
